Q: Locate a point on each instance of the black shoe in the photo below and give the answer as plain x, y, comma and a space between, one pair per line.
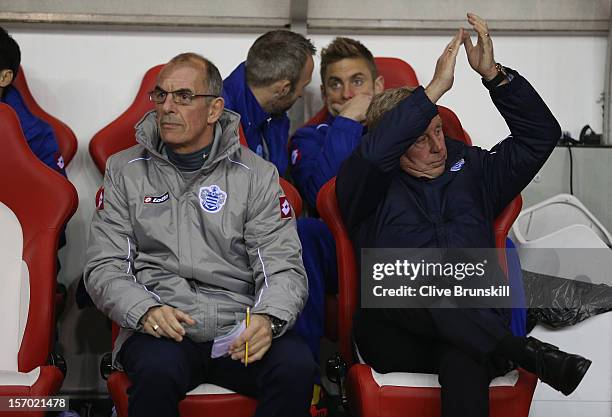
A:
562, 371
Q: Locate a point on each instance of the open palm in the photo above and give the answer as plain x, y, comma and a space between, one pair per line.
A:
480, 56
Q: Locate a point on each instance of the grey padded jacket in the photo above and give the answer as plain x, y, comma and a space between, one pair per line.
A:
210, 245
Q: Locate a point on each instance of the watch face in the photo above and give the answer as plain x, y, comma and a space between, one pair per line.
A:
276, 325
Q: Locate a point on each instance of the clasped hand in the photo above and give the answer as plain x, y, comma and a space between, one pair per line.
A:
480, 57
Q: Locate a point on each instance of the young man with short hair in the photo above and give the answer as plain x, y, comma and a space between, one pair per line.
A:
349, 80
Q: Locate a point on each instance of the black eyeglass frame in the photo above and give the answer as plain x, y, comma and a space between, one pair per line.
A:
175, 98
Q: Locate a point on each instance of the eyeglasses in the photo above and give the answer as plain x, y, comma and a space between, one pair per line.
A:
183, 97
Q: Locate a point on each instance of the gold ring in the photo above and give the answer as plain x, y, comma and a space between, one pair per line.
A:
155, 327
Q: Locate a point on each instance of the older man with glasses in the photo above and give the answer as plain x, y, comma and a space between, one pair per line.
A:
190, 236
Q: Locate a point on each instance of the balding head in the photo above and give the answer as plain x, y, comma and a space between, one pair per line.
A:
211, 80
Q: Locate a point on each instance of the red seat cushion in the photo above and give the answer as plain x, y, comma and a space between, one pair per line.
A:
227, 405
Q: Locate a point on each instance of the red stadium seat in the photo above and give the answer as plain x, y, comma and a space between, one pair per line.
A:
206, 399
66, 140
120, 133
373, 395
40, 202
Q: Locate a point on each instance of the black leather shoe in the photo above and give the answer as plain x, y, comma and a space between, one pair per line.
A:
562, 371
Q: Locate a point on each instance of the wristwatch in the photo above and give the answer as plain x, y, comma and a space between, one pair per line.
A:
277, 325
495, 81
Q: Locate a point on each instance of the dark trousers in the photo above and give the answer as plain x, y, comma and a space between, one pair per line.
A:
162, 371
319, 255
457, 344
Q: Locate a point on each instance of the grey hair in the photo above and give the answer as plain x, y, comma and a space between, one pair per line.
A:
212, 74
277, 55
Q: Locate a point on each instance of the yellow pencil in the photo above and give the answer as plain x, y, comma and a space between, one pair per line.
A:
246, 347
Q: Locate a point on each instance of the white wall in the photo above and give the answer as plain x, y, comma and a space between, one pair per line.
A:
86, 78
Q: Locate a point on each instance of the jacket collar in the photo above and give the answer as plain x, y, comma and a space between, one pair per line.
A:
12, 97
147, 134
241, 99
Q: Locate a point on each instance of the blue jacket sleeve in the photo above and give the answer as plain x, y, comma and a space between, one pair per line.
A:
43, 144
364, 177
318, 152
534, 132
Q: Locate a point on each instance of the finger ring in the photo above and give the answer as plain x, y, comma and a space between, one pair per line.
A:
155, 327
486, 34
450, 49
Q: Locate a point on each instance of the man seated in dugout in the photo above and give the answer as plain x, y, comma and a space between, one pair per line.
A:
191, 236
406, 185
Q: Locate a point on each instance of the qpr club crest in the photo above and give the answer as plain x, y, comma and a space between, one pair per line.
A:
212, 198
458, 165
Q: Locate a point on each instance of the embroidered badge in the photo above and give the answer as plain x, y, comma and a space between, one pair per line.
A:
100, 199
212, 198
285, 208
295, 156
60, 160
149, 199
458, 165
259, 150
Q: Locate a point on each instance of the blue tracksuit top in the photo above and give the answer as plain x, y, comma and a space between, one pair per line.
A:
37, 132
317, 151
266, 135
384, 207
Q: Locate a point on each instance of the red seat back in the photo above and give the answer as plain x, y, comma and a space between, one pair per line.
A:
451, 126
66, 140
120, 133
43, 201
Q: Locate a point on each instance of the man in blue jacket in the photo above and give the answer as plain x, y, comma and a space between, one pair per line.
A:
406, 186
349, 80
38, 133
277, 69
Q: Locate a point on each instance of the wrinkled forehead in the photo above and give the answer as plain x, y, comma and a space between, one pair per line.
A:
435, 123
347, 68
183, 75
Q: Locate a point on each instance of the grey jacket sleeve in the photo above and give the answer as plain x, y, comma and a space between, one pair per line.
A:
274, 249
109, 274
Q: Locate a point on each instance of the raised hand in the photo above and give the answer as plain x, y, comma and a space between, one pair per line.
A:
480, 56
355, 108
444, 74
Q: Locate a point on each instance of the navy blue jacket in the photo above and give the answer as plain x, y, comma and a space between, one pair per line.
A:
37, 132
384, 207
266, 135
317, 151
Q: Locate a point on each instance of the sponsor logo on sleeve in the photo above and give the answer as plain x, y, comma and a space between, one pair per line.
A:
212, 198
150, 199
285, 208
295, 156
60, 161
100, 199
